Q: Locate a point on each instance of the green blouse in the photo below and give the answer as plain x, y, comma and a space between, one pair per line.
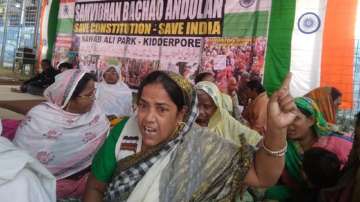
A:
104, 162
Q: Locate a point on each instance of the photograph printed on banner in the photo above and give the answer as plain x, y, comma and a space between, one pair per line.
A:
59, 55
89, 63
187, 69
233, 57
182, 58
135, 70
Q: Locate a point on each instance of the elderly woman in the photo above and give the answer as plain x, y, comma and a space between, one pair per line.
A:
213, 115
161, 155
113, 95
64, 132
309, 130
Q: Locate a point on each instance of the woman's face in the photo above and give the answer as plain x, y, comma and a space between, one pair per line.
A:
157, 115
300, 127
111, 76
207, 108
84, 102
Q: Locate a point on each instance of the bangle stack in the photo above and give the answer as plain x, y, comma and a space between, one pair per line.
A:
279, 153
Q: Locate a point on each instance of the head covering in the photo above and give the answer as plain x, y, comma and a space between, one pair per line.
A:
221, 100
308, 106
117, 69
322, 97
328, 140
132, 169
60, 92
190, 96
221, 122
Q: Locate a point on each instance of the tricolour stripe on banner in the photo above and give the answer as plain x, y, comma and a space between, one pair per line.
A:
306, 46
66, 17
236, 6
65, 26
251, 24
52, 24
278, 51
338, 48
67, 10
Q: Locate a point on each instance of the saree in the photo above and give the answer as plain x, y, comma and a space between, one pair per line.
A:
193, 165
322, 97
222, 123
292, 178
63, 142
114, 99
23, 175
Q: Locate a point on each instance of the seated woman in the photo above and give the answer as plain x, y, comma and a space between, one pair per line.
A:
308, 130
22, 178
228, 102
161, 155
65, 132
113, 95
214, 116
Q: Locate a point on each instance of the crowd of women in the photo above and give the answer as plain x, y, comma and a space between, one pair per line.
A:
178, 142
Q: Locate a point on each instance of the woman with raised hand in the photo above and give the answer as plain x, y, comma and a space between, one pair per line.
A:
161, 155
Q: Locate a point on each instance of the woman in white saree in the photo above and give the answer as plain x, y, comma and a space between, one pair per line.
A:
113, 95
65, 132
161, 155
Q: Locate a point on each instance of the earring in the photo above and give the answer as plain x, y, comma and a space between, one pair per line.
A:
179, 126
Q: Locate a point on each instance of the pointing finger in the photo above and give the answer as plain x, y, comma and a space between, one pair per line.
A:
286, 83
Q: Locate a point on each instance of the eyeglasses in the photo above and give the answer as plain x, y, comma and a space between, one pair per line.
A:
92, 96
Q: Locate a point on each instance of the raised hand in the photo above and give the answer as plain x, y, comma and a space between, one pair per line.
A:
281, 108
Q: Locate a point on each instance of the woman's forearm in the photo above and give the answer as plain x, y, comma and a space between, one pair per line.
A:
269, 160
267, 167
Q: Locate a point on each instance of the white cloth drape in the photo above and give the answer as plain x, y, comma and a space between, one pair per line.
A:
23, 178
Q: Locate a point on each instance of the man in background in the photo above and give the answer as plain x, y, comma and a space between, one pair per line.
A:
37, 84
